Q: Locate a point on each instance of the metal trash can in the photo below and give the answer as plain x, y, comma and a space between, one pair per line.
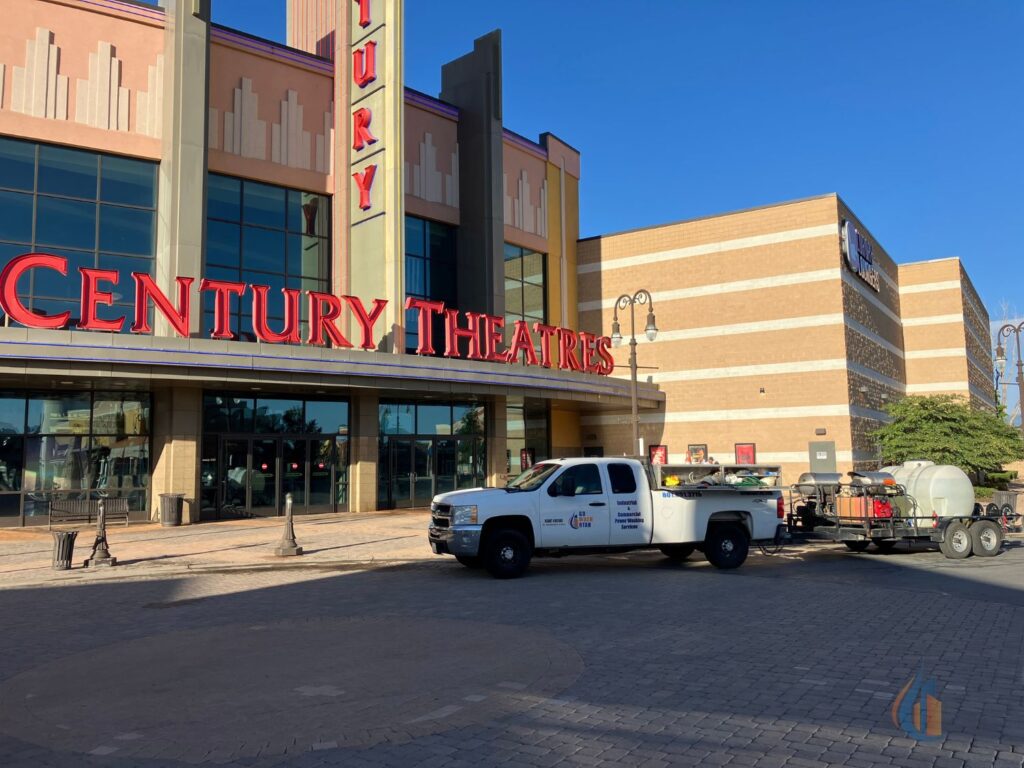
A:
63, 549
170, 509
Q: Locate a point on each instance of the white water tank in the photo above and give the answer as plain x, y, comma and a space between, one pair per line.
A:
937, 488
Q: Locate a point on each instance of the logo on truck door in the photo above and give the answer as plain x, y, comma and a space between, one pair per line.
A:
578, 521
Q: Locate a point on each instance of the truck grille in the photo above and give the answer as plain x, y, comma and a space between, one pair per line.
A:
441, 515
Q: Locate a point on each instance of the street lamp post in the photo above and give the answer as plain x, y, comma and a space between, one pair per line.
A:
1004, 333
642, 297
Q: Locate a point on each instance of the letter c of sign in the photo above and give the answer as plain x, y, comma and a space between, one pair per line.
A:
11, 303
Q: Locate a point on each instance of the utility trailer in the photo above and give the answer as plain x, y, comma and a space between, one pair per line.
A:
873, 508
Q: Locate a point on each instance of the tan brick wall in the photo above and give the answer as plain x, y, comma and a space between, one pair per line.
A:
825, 348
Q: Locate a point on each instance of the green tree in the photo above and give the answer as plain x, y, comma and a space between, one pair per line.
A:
947, 429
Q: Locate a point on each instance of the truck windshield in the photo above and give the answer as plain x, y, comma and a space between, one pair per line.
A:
533, 478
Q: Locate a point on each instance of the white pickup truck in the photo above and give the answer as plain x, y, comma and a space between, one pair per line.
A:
591, 506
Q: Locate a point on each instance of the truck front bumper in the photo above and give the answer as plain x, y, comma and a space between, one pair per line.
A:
461, 540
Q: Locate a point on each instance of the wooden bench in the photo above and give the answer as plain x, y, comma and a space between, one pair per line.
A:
86, 511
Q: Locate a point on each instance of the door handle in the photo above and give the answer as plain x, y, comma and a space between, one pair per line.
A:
597, 504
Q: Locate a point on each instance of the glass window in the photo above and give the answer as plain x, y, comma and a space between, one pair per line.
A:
433, 420
12, 415
397, 419
67, 172
58, 463
127, 182
12, 453
117, 414
263, 205
227, 414
70, 223
468, 419
17, 164
83, 230
429, 270
223, 244
16, 217
263, 250
329, 417
622, 478
279, 416
10, 505
126, 230
581, 480
224, 198
59, 414
524, 286
282, 242
120, 464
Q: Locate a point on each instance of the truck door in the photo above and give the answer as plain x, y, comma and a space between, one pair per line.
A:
574, 510
630, 517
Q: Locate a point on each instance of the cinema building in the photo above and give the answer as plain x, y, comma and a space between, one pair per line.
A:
237, 270
230, 231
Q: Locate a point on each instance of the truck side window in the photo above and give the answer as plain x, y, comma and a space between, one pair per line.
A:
583, 478
622, 477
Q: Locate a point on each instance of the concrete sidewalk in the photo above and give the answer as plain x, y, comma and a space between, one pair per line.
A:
351, 541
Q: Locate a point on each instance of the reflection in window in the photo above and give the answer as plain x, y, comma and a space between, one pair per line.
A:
265, 235
95, 210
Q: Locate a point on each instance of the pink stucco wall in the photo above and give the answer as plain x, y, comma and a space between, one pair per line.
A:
76, 28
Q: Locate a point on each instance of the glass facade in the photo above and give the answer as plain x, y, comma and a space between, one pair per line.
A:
429, 273
265, 235
80, 445
258, 450
528, 434
525, 280
96, 210
428, 448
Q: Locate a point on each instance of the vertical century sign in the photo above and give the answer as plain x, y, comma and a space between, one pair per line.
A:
376, 206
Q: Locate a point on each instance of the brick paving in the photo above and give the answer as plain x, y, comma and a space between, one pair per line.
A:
371, 652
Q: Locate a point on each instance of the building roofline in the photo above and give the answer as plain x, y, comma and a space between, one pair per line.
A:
273, 47
427, 101
544, 136
711, 216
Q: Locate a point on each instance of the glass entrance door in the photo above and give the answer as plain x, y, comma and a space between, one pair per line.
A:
423, 473
414, 470
257, 474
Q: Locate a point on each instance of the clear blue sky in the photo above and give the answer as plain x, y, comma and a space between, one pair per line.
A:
912, 110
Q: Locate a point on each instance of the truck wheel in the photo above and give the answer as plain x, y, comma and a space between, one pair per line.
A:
726, 546
508, 554
986, 538
956, 543
470, 561
677, 552
857, 546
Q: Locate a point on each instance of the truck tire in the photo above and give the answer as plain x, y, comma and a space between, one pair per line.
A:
886, 545
470, 561
507, 554
956, 543
677, 552
726, 545
986, 538
857, 546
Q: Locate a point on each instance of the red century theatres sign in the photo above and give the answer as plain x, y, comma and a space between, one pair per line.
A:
482, 333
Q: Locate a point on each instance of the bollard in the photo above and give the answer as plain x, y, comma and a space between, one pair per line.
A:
288, 546
100, 552
63, 549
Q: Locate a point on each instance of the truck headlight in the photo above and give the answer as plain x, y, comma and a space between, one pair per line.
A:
464, 515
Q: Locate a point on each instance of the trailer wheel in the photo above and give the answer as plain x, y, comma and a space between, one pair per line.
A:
857, 546
886, 545
507, 555
956, 544
986, 538
677, 552
726, 545
470, 561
